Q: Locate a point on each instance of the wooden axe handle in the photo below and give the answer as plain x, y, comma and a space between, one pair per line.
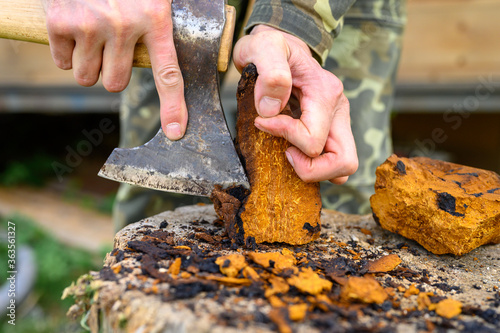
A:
24, 20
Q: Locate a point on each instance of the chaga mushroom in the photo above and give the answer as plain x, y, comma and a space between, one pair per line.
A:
279, 207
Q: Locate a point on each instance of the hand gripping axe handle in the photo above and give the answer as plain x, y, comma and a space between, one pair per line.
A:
205, 156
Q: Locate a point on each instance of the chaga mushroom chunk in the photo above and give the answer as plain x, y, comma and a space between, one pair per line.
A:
280, 207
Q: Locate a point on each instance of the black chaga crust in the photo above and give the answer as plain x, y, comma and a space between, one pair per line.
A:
229, 204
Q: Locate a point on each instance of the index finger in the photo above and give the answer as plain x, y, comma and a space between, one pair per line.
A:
168, 79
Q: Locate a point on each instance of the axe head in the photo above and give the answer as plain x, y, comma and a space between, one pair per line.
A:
205, 156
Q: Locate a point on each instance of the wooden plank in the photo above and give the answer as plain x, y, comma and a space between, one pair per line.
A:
450, 41
23, 63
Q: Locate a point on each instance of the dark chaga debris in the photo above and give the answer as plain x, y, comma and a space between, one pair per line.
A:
150, 267
189, 289
446, 287
250, 243
118, 254
145, 247
255, 290
340, 267
489, 315
107, 274
199, 273
208, 265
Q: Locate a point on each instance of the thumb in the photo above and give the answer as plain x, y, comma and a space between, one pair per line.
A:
268, 51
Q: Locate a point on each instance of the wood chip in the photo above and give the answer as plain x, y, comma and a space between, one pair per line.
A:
297, 312
231, 265
384, 264
363, 289
447, 308
309, 282
175, 267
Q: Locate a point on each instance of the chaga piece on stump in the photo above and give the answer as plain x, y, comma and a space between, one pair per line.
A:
280, 206
446, 207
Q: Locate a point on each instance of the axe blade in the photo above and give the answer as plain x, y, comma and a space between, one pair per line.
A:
205, 156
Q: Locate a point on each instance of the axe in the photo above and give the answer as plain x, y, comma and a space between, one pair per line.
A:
205, 156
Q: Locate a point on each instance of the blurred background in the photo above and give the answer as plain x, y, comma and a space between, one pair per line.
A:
447, 107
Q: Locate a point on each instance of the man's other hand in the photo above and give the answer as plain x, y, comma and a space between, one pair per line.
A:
95, 37
323, 144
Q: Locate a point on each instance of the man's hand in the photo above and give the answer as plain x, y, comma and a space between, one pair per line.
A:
324, 147
98, 36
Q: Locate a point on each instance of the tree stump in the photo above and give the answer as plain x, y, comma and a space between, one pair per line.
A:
179, 272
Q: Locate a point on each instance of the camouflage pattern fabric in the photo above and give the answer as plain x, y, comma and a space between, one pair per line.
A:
364, 56
317, 22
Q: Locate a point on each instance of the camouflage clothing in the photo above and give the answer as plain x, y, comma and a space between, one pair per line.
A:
364, 56
317, 22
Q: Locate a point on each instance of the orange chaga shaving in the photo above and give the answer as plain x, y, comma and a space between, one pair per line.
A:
278, 316
249, 272
175, 267
356, 254
363, 289
276, 302
320, 301
297, 312
447, 308
412, 290
309, 282
185, 275
278, 286
116, 268
384, 264
228, 280
287, 252
366, 231
423, 300
231, 264
182, 247
281, 261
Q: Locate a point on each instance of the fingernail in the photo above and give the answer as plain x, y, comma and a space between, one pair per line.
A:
269, 107
289, 158
174, 131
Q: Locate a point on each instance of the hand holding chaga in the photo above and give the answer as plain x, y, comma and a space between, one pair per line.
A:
446, 207
280, 207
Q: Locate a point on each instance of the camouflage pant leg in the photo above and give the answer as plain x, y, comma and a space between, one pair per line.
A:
365, 57
140, 121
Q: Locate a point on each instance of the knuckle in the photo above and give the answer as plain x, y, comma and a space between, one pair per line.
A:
88, 28
157, 11
62, 63
169, 76
352, 166
57, 25
278, 79
86, 81
336, 85
314, 149
114, 85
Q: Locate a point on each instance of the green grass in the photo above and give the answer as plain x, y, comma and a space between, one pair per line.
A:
34, 170
57, 266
